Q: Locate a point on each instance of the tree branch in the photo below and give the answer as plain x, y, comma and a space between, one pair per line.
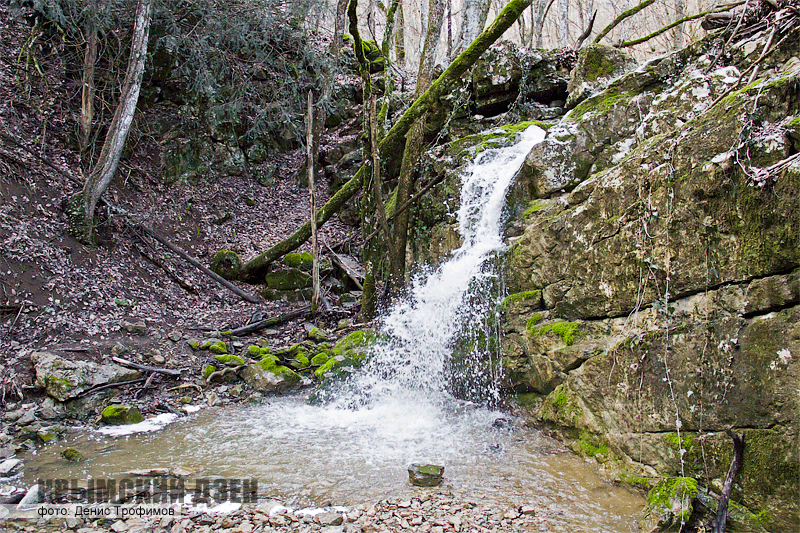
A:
718, 525
656, 33
392, 143
622, 16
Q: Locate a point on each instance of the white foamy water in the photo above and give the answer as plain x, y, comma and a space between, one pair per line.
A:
412, 364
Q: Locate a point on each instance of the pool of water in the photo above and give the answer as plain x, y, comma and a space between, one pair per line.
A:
307, 455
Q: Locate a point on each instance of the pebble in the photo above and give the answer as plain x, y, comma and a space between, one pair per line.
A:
433, 512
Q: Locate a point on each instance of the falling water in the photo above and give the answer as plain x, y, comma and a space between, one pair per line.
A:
450, 307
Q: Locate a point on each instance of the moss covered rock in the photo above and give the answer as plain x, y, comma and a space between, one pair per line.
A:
226, 263
72, 455
289, 279
229, 360
120, 414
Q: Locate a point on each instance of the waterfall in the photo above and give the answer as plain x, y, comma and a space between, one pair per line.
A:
447, 307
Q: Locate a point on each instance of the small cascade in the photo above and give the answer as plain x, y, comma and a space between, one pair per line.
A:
450, 308
425, 394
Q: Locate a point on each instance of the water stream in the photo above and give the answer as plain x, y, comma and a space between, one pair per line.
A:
400, 408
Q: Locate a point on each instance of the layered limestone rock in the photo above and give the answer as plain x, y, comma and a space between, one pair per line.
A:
656, 285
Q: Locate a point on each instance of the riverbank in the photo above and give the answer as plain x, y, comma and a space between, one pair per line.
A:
433, 510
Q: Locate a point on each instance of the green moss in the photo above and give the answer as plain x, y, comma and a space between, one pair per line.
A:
596, 64
286, 280
560, 408
530, 325
565, 330
639, 482
534, 207
72, 455
194, 344
120, 414
357, 341
254, 351
230, 360
591, 446
300, 361
226, 263
324, 369
319, 359
535, 297
208, 370
219, 348
600, 103
303, 261
59, 383
671, 495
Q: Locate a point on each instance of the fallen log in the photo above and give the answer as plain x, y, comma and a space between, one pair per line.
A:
267, 322
138, 366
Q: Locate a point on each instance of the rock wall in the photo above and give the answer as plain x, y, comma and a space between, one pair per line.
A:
655, 289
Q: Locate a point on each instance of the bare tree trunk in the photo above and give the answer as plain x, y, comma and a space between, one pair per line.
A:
414, 141
87, 86
83, 205
474, 15
563, 23
680, 12
313, 202
338, 27
400, 38
542, 6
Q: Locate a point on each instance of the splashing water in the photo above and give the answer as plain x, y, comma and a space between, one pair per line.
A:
448, 308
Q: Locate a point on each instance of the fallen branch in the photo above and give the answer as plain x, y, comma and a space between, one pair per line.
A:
718, 525
110, 385
351, 273
138, 366
656, 33
585, 35
168, 269
267, 322
189, 259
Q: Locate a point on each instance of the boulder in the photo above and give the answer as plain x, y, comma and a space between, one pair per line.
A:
268, 376
64, 379
597, 66
288, 279
663, 268
424, 475
116, 415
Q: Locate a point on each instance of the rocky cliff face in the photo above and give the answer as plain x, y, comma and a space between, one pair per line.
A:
655, 288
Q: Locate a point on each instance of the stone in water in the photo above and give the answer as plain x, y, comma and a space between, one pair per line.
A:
425, 475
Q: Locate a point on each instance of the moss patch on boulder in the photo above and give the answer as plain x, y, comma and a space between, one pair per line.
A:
226, 263
120, 414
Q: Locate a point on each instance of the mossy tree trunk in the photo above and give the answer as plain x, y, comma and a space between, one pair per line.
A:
395, 138
413, 145
82, 205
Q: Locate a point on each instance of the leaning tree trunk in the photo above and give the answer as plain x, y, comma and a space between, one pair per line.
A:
413, 146
394, 140
83, 204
